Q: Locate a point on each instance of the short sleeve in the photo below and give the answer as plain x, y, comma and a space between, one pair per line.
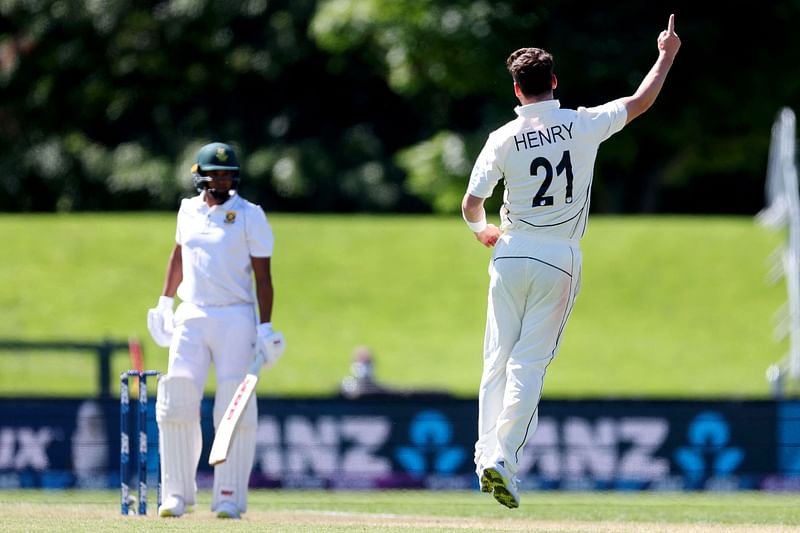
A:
603, 121
485, 173
260, 240
178, 239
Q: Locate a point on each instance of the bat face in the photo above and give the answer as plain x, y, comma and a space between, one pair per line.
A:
239, 399
224, 433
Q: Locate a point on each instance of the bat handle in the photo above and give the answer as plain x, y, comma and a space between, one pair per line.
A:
258, 362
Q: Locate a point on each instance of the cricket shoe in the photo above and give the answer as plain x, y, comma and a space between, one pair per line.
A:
484, 482
502, 484
173, 506
228, 510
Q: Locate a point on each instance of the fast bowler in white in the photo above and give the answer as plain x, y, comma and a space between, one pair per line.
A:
545, 158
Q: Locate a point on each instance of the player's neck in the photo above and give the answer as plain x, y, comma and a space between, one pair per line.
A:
525, 100
211, 201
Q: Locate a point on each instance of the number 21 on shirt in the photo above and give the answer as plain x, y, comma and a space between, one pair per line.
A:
563, 167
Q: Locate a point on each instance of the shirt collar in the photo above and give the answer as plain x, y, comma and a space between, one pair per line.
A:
532, 110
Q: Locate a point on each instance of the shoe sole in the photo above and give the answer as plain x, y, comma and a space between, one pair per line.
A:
494, 482
229, 513
167, 513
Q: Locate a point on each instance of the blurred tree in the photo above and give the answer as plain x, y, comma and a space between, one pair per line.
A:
371, 105
701, 149
105, 103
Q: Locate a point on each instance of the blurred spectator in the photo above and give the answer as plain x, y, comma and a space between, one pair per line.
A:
361, 380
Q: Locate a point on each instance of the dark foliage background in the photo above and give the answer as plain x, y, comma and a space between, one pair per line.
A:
373, 105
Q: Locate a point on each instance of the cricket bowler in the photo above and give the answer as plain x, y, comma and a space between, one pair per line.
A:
545, 158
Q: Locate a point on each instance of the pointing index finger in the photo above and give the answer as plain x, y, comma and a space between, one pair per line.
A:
671, 24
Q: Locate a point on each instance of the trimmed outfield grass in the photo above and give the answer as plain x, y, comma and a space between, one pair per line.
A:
315, 511
670, 307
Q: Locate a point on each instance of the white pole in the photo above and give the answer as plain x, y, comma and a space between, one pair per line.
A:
789, 174
783, 210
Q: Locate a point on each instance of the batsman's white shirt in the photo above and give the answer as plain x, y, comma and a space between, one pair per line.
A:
545, 158
216, 245
216, 320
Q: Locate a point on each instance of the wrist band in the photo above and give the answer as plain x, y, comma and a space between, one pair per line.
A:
478, 226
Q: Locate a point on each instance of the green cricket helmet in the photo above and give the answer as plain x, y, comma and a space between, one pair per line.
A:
215, 156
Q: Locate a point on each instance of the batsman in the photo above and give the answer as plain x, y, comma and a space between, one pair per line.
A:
220, 270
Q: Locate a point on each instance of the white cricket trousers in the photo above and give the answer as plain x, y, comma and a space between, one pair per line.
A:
533, 284
225, 335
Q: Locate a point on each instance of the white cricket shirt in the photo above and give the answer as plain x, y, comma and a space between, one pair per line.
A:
546, 158
216, 245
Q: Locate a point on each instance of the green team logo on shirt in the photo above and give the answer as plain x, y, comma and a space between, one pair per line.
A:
230, 217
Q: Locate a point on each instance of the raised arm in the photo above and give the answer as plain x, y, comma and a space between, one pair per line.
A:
645, 95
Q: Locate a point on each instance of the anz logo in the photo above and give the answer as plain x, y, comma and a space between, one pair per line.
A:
708, 453
431, 449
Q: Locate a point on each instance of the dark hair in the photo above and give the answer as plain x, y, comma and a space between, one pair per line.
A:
532, 69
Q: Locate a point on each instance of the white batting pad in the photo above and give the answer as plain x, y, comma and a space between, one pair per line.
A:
180, 439
232, 477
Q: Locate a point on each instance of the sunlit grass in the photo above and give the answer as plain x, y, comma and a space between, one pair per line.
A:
286, 510
671, 306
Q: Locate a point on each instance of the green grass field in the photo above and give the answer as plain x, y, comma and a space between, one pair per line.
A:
670, 306
402, 511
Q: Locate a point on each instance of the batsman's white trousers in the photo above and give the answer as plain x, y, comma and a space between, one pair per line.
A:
225, 335
534, 281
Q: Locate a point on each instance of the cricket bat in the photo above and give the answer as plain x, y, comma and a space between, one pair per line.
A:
224, 434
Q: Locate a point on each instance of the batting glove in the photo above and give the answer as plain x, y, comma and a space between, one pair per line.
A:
160, 321
269, 345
